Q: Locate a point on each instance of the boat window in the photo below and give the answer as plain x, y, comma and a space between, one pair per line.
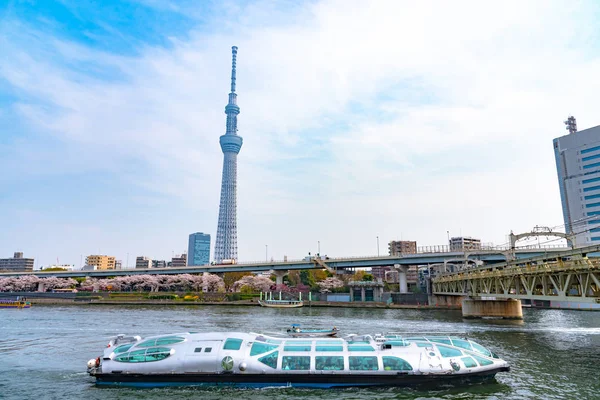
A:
446, 351
270, 359
463, 344
360, 348
161, 341
208, 349
482, 361
469, 362
232, 344
295, 363
323, 363
198, 350
295, 342
157, 353
359, 342
398, 343
363, 363
441, 340
145, 355
395, 364
297, 348
329, 342
133, 356
123, 348
260, 348
330, 348
480, 349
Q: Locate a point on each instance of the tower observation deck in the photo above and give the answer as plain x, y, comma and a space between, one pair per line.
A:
231, 143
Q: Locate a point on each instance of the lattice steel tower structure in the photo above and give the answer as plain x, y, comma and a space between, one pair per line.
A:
231, 143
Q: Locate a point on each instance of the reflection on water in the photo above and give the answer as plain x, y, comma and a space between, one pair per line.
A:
554, 354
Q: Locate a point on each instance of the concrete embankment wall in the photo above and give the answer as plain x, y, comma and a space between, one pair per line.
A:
446, 301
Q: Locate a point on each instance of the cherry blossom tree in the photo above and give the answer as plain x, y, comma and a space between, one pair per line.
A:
213, 283
256, 282
328, 284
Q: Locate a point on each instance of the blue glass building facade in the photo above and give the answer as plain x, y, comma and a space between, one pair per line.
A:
199, 249
577, 158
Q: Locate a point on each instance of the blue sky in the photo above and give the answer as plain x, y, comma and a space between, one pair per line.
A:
360, 120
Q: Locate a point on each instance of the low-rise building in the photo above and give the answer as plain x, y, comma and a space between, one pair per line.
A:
179, 261
159, 264
399, 247
101, 261
66, 267
17, 263
464, 243
143, 262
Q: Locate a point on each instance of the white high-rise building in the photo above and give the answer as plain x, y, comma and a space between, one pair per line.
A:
578, 165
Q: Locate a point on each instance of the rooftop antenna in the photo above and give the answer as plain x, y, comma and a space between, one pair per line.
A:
571, 124
233, 61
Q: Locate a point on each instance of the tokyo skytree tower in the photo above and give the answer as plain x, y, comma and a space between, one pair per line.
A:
231, 143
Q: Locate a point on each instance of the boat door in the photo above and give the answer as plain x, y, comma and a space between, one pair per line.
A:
202, 356
431, 362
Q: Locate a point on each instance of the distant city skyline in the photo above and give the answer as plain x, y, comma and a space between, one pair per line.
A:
365, 122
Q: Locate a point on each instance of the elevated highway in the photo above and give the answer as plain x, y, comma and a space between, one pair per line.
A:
336, 265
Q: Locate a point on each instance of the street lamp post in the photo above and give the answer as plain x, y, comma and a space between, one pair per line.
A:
266, 252
377, 246
318, 247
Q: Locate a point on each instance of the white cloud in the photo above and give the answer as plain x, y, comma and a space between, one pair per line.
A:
360, 119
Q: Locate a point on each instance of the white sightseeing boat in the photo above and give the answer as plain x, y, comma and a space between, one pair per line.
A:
281, 303
254, 360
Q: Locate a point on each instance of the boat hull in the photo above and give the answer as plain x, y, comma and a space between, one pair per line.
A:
280, 304
16, 305
325, 380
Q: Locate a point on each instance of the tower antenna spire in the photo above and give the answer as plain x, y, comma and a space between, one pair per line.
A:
233, 61
231, 143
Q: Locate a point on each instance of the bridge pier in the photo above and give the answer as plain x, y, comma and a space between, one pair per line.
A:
445, 301
279, 274
478, 308
402, 270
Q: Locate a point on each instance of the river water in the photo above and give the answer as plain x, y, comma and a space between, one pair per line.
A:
554, 354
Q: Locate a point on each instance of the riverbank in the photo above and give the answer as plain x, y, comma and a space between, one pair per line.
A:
239, 303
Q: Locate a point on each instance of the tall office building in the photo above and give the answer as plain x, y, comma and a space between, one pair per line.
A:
231, 143
199, 249
578, 166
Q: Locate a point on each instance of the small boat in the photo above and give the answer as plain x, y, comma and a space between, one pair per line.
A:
296, 331
8, 303
253, 360
281, 303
